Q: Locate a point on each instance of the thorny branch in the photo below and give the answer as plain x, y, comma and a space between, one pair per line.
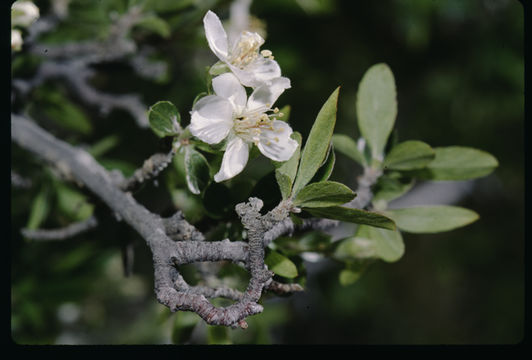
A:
173, 241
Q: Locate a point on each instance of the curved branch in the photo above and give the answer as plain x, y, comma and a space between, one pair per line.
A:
62, 233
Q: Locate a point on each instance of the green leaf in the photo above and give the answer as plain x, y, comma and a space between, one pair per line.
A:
197, 170
184, 324
285, 172
104, 145
432, 219
409, 155
218, 335
352, 272
280, 265
65, 113
371, 242
167, 5
317, 144
155, 24
348, 147
376, 107
39, 209
72, 203
356, 216
219, 68
348, 277
314, 241
324, 194
325, 170
285, 110
389, 188
458, 163
164, 119
388, 244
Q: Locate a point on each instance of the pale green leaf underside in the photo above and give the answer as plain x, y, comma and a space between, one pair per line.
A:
458, 163
371, 242
409, 155
376, 107
431, 219
197, 170
164, 119
348, 147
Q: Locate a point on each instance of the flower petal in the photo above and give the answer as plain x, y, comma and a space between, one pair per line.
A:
228, 86
234, 160
216, 35
260, 71
277, 143
211, 119
266, 95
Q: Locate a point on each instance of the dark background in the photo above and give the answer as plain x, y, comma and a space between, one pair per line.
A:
459, 71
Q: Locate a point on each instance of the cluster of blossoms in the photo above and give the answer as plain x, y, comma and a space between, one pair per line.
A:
23, 14
230, 114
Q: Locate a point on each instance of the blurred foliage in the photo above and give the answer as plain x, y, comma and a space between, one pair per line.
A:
459, 70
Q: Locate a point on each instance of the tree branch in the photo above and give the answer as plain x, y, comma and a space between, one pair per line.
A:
62, 233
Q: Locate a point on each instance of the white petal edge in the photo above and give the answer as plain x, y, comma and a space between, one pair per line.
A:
228, 86
216, 35
234, 160
211, 119
267, 94
277, 144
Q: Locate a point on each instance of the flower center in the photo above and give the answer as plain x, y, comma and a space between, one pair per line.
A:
250, 124
246, 50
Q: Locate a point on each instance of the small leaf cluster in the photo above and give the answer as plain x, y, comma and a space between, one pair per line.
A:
400, 164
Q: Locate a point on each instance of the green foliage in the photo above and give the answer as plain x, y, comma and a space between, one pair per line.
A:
184, 324
280, 264
458, 163
376, 107
218, 335
39, 209
197, 170
72, 203
371, 242
409, 155
323, 194
285, 173
356, 216
391, 186
317, 144
155, 24
432, 219
348, 147
164, 119
327, 167
63, 112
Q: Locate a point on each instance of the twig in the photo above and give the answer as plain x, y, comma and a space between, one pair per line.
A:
150, 169
62, 233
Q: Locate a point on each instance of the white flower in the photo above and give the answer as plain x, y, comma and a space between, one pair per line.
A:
241, 54
16, 40
23, 13
230, 114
